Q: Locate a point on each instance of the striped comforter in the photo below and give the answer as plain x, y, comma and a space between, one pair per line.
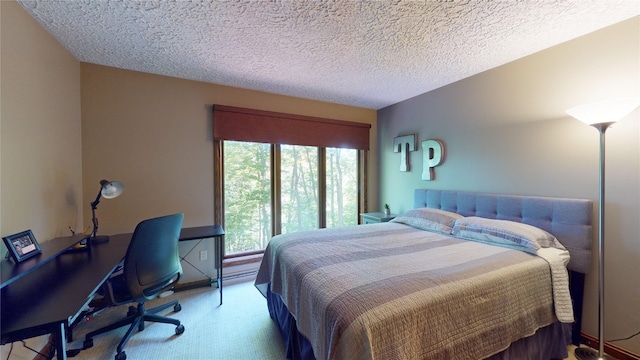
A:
390, 291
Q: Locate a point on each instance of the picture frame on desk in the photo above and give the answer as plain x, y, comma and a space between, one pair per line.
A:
22, 245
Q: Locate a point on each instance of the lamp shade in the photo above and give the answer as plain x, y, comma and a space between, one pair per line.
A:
608, 111
111, 189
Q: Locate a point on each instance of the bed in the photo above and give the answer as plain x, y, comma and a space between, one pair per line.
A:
463, 275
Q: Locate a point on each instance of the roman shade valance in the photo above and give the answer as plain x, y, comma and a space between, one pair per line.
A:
239, 124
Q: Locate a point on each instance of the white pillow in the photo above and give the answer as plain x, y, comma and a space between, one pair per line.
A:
429, 219
504, 233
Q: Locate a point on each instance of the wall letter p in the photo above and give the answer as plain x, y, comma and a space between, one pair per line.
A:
432, 155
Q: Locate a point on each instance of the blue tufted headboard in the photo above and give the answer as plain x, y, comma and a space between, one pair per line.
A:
569, 220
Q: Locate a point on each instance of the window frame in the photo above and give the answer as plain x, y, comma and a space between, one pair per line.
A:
276, 206
250, 125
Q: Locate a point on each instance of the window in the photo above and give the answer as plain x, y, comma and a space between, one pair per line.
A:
278, 173
342, 187
299, 197
247, 196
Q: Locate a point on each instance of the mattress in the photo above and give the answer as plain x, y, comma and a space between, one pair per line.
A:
391, 291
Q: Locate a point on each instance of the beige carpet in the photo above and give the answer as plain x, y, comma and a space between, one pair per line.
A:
239, 329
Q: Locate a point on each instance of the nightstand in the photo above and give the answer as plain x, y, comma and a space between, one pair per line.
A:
376, 217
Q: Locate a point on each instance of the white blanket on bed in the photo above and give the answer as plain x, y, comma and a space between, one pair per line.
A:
558, 260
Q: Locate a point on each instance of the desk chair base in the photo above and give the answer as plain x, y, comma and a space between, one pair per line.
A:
136, 318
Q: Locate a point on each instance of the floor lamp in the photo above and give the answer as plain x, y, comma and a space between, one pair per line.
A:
601, 115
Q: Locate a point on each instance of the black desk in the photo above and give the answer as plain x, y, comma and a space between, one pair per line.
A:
46, 293
47, 298
11, 272
207, 232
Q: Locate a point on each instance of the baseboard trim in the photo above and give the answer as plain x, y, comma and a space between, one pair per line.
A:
609, 348
195, 284
228, 279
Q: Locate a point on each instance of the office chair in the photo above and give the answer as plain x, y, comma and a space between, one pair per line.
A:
151, 266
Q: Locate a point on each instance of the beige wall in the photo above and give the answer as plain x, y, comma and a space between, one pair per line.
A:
41, 164
40, 160
506, 131
153, 133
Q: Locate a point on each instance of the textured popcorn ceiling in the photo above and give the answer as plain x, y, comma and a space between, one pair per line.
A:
363, 53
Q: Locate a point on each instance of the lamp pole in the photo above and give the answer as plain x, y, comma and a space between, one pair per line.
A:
586, 353
94, 219
601, 115
108, 190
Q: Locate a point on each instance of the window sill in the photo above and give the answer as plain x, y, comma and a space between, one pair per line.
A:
242, 260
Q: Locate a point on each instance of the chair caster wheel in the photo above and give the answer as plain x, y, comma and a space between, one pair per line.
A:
88, 343
177, 307
121, 356
179, 329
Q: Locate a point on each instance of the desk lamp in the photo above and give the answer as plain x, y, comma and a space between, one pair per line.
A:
601, 115
108, 190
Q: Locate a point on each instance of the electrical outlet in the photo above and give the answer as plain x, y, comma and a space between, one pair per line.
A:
203, 255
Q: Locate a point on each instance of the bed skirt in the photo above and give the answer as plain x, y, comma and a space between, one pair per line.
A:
549, 342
